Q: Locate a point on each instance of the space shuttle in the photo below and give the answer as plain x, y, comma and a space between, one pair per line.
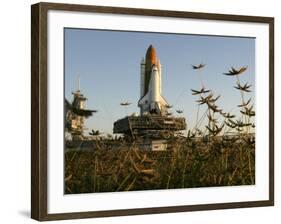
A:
151, 101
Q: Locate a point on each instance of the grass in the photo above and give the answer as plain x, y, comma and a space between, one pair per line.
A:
187, 164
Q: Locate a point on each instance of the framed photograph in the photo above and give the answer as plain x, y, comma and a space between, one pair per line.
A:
139, 111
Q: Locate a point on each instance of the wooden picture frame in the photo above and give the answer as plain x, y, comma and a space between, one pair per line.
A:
39, 109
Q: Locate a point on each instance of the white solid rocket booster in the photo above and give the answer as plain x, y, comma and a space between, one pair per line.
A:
142, 77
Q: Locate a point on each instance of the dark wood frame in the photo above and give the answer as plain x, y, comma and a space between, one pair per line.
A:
39, 110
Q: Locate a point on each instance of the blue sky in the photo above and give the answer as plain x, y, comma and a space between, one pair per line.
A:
108, 63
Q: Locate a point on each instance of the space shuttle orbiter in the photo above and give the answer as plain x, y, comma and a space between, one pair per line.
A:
151, 100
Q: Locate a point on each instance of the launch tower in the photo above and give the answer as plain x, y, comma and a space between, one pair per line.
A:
76, 113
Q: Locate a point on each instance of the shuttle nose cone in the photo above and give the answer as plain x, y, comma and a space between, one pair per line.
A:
154, 68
